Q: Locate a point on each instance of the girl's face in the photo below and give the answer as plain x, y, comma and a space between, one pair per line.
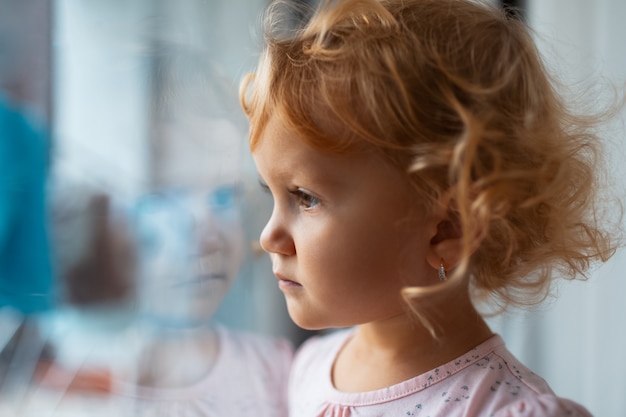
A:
192, 247
346, 232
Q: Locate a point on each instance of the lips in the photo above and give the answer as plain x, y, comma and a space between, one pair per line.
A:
205, 271
286, 283
202, 281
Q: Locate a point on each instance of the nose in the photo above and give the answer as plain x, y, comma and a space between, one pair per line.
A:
209, 239
206, 231
275, 237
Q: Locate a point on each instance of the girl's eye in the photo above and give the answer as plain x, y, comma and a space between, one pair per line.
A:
306, 200
223, 197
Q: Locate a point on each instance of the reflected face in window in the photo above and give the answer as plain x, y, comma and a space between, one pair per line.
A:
191, 248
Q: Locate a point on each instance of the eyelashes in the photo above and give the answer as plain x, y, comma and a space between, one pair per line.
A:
304, 198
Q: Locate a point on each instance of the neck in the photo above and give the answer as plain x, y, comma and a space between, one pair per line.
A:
404, 347
453, 322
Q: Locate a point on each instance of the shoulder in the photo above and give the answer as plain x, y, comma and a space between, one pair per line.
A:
500, 383
546, 405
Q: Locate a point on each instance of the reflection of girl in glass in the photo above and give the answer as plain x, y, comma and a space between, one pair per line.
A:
191, 248
190, 238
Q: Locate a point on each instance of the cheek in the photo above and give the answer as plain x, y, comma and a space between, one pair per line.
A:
355, 255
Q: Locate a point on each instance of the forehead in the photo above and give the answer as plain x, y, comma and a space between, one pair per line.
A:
200, 152
287, 144
282, 153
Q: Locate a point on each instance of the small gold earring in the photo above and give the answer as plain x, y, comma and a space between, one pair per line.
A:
442, 271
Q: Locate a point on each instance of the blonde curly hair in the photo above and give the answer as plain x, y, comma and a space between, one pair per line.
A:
455, 94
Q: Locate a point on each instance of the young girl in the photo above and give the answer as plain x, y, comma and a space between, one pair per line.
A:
420, 161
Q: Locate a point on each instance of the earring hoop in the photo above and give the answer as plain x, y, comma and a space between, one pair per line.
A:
442, 272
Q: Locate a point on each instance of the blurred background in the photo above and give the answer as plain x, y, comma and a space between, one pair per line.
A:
120, 101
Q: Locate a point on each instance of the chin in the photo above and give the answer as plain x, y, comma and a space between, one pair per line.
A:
310, 323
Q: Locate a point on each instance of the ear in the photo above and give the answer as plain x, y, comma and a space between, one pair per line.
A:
446, 243
446, 246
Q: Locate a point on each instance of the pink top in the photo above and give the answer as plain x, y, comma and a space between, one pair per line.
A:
249, 378
486, 381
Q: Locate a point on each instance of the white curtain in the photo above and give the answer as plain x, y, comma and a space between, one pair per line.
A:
577, 340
